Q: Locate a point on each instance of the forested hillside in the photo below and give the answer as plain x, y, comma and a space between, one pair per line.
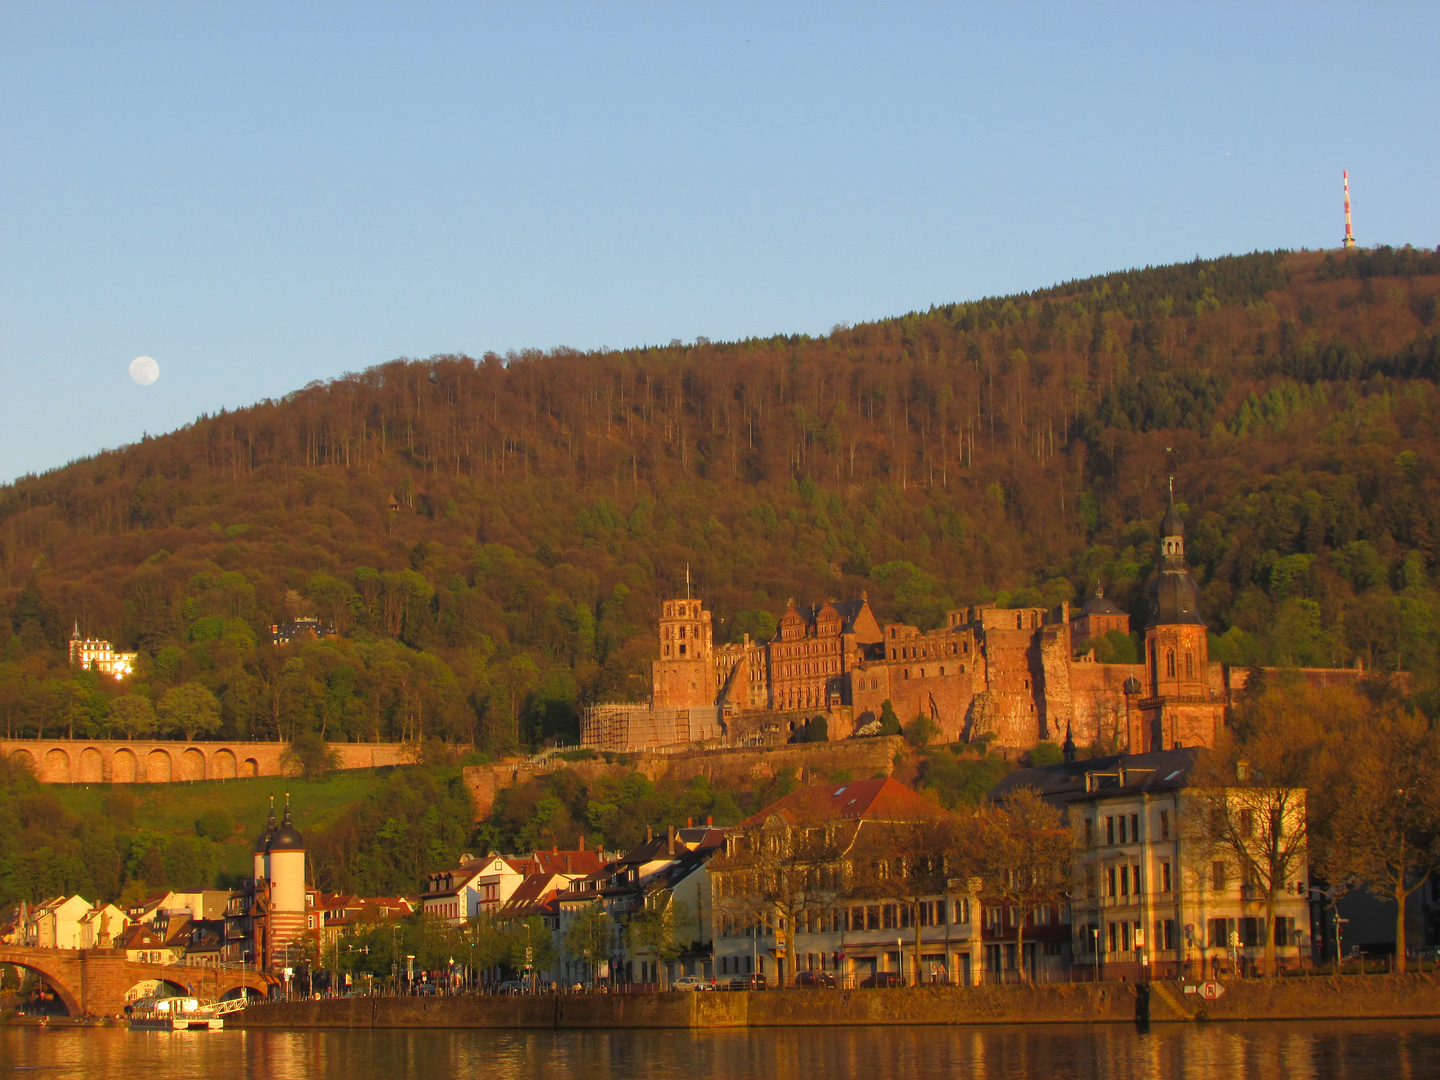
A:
492, 536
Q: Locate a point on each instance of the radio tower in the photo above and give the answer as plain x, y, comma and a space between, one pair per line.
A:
1349, 236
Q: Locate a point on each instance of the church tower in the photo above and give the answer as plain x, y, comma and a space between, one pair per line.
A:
1179, 708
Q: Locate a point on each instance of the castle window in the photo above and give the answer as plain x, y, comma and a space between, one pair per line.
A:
1019, 621
962, 669
907, 673
1170, 663
966, 645
667, 650
682, 650
1189, 665
874, 684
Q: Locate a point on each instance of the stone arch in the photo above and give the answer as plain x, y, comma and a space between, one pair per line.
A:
25, 760
124, 769
192, 765
252, 767
157, 767
92, 766
249, 993
222, 765
57, 767
53, 981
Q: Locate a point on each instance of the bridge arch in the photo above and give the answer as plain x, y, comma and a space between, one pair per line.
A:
25, 760
57, 767
48, 972
252, 767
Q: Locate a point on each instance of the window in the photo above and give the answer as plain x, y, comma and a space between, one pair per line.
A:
1165, 934
1189, 665
1109, 830
1252, 932
1110, 882
1164, 877
1285, 933
872, 917
1219, 933
1247, 823
1218, 875
1170, 663
1164, 824
1089, 833
1135, 828
1124, 881
889, 915
1122, 828
1135, 878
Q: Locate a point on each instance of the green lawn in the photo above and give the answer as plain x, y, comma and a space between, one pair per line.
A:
175, 807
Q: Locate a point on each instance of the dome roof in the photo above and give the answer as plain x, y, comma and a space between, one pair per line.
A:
262, 842
1098, 605
1174, 599
287, 837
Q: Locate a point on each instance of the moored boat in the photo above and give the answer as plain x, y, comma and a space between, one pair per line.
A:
173, 1014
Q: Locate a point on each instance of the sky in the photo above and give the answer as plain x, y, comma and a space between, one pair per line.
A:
263, 195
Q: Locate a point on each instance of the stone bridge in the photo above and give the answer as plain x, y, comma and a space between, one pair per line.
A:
94, 982
109, 761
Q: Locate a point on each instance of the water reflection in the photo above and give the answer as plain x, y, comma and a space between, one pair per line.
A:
1355, 1051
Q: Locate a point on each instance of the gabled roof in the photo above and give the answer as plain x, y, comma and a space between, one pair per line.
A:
1118, 774
535, 892
1099, 605
581, 861
882, 799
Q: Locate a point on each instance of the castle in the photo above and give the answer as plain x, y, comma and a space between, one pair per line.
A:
1012, 676
96, 654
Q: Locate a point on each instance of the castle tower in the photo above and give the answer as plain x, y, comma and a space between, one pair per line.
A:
285, 872
683, 677
1178, 707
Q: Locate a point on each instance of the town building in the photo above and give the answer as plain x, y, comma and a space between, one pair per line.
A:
481, 887
792, 874
1013, 677
1155, 892
96, 654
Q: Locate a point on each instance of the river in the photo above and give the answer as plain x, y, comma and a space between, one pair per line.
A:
1355, 1050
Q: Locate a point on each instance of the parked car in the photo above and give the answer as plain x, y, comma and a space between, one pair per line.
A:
510, 986
881, 979
815, 980
691, 982
756, 981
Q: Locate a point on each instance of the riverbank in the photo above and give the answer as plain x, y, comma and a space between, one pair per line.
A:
1349, 997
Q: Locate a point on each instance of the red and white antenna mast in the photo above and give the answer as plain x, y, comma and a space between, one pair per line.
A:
1349, 236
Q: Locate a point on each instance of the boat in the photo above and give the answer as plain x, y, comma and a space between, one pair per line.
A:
174, 1014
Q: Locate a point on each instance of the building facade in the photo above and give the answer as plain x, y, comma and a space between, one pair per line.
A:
1012, 676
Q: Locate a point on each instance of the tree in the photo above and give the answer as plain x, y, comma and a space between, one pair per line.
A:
308, 755
1021, 854
1384, 834
889, 722
131, 715
1254, 811
652, 930
532, 948
190, 709
907, 861
775, 872
589, 937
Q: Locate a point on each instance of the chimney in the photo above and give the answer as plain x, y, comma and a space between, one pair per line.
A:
649, 834
582, 841
670, 840
689, 823
709, 821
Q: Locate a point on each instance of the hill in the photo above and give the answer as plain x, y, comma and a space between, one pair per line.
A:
492, 536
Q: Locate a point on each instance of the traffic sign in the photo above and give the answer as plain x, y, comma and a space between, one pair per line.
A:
1211, 990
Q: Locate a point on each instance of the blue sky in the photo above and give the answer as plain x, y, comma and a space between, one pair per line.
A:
263, 195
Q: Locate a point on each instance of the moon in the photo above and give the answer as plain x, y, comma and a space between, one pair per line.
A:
144, 370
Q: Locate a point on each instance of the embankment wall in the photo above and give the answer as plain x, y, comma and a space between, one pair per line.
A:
163, 761
1374, 997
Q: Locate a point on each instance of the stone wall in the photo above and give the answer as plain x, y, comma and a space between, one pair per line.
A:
1408, 996
863, 758
110, 761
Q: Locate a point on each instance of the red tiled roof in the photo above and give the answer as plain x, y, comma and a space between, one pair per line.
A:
882, 798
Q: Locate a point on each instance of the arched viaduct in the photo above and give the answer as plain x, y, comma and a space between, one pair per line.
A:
112, 761
94, 982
